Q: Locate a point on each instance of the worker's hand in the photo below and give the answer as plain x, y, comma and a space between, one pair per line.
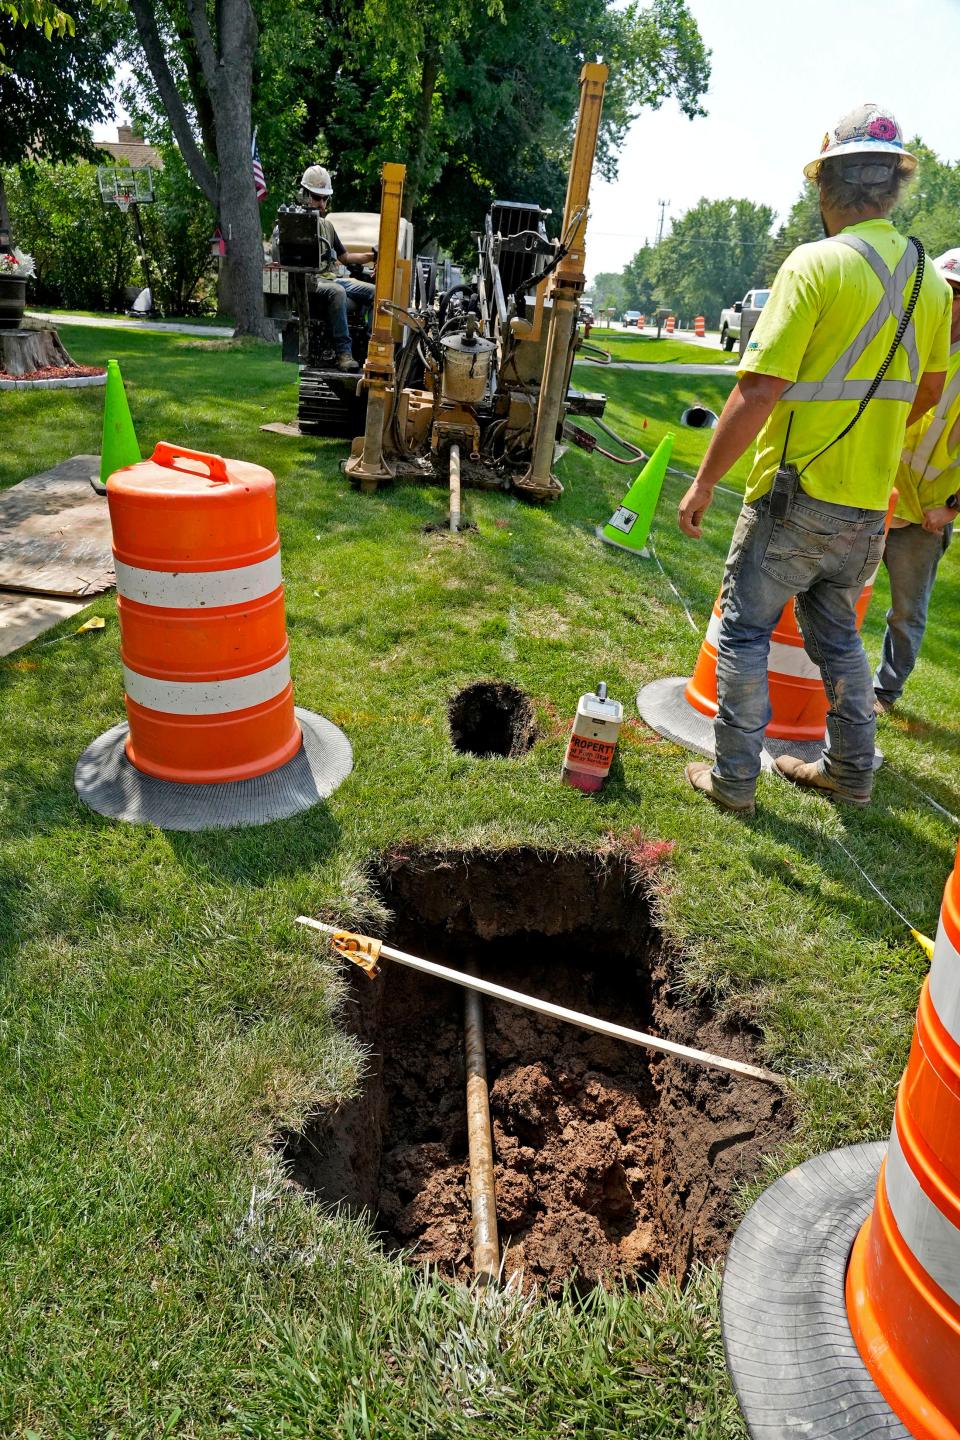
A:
934, 520
693, 507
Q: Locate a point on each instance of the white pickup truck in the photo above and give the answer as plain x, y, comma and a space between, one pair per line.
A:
754, 300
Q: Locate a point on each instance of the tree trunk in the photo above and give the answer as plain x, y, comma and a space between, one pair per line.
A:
224, 60
422, 129
231, 95
242, 266
22, 351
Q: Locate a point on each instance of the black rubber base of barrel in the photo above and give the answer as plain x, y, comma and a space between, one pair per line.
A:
795, 1367
107, 782
664, 707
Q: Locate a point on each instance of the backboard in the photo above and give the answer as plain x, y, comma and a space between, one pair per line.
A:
123, 186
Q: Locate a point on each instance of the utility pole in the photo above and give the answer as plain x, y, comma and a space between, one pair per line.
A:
663, 212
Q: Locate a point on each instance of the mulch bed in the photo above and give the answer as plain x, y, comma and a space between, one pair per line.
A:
55, 372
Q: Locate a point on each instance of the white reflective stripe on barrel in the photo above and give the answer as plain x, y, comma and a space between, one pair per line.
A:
207, 697
945, 983
196, 589
926, 1231
784, 659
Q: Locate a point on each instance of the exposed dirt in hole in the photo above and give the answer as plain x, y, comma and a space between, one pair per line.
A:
610, 1161
490, 718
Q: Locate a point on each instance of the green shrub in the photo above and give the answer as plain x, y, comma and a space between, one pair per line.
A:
86, 252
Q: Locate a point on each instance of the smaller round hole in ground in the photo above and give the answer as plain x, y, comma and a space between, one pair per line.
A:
491, 718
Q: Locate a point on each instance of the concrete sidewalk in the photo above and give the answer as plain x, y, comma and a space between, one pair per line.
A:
667, 368
121, 322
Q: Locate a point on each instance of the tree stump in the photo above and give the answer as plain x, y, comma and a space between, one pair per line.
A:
24, 350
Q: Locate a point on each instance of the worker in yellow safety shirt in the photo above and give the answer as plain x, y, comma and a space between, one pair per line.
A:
850, 348
928, 480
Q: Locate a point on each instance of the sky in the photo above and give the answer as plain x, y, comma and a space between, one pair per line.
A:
783, 72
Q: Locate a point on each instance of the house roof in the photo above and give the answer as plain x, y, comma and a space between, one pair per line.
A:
131, 149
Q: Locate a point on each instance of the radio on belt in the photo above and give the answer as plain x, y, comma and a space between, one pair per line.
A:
593, 740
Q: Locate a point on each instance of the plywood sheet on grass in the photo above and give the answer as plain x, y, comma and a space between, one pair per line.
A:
24, 617
55, 533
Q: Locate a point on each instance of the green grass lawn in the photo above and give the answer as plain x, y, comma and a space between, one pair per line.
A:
164, 1020
648, 350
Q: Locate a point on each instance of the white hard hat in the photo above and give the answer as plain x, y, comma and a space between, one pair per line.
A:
316, 180
868, 129
948, 265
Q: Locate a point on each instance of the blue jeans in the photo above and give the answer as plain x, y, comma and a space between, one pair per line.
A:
824, 555
911, 557
335, 294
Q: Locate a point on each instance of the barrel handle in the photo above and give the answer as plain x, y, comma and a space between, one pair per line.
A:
168, 455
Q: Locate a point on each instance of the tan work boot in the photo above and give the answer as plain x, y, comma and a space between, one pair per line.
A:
811, 777
700, 775
346, 362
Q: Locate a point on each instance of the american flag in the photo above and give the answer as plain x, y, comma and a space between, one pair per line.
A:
259, 181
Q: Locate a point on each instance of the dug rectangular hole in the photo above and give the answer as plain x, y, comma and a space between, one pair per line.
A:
611, 1161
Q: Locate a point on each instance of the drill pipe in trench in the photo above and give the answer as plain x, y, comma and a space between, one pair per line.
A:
483, 1202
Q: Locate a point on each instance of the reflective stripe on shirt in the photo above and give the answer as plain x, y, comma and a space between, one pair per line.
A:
836, 385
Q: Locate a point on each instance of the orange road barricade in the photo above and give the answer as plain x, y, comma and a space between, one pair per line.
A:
200, 602
903, 1280
823, 1339
699, 326
206, 666
684, 710
671, 324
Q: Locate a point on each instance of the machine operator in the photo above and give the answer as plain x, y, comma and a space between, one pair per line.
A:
333, 287
812, 525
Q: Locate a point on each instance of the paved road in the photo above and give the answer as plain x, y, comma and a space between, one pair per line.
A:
666, 368
120, 322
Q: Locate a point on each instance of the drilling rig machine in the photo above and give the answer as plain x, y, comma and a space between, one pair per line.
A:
474, 389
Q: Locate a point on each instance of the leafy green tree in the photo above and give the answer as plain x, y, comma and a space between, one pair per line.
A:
85, 251
39, 14
713, 253
802, 226
641, 290
930, 206
609, 293
177, 229
55, 82
479, 97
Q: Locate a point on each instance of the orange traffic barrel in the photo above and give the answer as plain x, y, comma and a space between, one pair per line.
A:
671, 324
903, 1280
798, 701
641, 321
200, 602
699, 326
841, 1292
684, 709
203, 632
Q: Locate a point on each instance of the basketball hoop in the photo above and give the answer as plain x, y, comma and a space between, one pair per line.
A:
124, 186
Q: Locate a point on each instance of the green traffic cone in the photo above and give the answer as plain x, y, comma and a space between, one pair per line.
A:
629, 525
119, 447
